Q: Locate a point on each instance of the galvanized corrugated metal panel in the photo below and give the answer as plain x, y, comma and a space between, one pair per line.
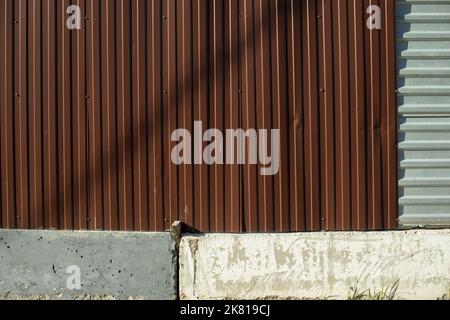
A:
86, 116
423, 41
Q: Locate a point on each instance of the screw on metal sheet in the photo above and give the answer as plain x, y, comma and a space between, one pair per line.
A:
164, 17
16, 21
322, 90
165, 92
319, 17
17, 95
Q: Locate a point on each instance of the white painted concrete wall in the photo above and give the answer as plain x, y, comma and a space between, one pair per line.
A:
314, 265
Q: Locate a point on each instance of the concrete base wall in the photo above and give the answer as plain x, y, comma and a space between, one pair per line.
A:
314, 265
111, 264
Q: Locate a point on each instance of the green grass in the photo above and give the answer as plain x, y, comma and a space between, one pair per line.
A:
445, 296
388, 293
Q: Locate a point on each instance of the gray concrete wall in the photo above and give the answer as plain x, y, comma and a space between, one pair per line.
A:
314, 265
249, 266
112, 264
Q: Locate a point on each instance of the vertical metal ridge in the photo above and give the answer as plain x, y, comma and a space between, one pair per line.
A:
374, 216
342, 123
95, 205
35, 112
279, 101
296, 119
170, 109
79, 125
311, 116
326, 116
64, 120
250, 180
20, 116
263, 106
217, 25
232, 175
139, 118
8, 197
156, 190
126, 214
109, 137
359, 127
50, 183
390, 171
201, 67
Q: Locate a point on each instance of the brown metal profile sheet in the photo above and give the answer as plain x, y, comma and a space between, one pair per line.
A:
185, 102
7, 115
34, 116
87, 116
217, 111
64, 119
389, 118
233, 188
263, 106
311, 114
154, 115
342, 114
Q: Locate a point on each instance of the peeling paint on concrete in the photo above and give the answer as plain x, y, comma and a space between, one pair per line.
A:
112, 264
314, 265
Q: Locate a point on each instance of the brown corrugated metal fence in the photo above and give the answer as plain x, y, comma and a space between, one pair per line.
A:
86, 116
